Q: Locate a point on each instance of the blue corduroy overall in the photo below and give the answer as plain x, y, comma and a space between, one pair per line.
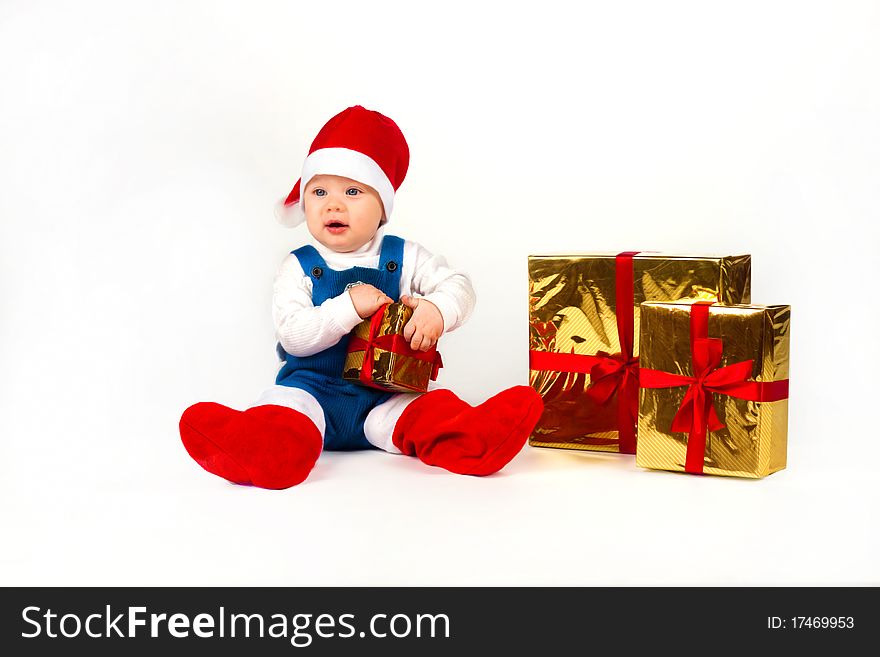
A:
346, 404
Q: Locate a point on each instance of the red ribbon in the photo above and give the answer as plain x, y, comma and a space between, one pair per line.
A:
696, 415
393, 342
609, 373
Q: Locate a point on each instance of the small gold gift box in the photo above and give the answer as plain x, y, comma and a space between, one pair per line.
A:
380, 357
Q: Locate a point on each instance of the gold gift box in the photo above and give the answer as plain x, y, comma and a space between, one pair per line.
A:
572, 309
754, 438
395, 372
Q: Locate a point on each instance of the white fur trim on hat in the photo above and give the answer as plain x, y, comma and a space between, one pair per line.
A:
291, 215
338, 162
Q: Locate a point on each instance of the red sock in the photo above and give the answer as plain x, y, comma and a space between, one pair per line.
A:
268, 446
445, 431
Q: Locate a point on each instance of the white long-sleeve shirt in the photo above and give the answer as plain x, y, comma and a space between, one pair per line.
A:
304, 329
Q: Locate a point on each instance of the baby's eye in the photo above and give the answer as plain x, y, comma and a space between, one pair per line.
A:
319, 192
352, 191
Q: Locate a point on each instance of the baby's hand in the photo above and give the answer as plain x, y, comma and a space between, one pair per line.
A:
425, 326
367, 299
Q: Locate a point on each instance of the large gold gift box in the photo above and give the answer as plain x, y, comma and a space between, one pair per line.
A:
714, 396
584, 325
380, 357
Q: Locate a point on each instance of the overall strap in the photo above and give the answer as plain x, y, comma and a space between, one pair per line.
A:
313, 265
391, 255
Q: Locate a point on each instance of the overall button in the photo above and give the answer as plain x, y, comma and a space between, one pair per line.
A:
317, 272
391, 266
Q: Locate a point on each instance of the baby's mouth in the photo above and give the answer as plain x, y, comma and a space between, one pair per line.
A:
335, 226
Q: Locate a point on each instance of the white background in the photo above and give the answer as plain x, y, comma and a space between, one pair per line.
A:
143, 145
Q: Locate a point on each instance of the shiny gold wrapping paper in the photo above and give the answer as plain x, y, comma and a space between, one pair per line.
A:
572, 307
390, 371
754, 440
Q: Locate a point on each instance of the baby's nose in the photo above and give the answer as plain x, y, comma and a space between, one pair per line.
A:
335, 202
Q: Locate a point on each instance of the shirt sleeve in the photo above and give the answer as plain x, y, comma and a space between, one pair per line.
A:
429, 276
301, 327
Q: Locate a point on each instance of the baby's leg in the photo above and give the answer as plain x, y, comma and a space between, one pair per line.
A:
380, 422
297, 399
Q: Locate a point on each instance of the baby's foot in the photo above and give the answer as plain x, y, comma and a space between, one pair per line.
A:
267, 446
445, 431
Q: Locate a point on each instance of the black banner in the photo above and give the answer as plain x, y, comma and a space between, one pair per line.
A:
270, 621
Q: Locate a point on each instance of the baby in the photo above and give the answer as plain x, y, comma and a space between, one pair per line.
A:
322, 291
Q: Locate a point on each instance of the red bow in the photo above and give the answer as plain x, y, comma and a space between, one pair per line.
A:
393, 342
616, 373
697, 415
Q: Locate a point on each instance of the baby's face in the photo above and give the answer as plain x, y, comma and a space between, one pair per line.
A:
341, 213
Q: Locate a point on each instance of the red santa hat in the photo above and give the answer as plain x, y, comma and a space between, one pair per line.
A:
359, 144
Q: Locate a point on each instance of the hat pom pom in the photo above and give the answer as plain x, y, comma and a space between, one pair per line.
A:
290, 215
